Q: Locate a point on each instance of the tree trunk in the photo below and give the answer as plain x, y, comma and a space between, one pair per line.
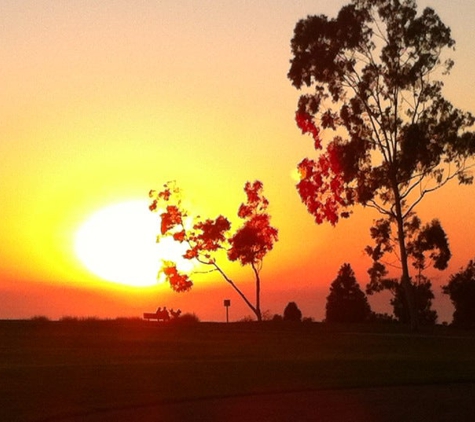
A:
405, 279
258, 293
253, 308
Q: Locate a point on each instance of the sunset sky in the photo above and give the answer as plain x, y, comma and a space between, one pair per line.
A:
101, 101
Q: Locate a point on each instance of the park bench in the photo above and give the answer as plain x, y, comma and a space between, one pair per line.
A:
157, 316
161, 315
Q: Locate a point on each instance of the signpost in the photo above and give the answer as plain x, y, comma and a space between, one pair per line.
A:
227, 304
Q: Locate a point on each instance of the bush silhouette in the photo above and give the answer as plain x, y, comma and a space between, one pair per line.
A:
461, 290
292, 312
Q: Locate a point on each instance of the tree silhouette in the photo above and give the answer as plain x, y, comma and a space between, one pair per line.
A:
205, 238
461, 289
292, 312
426, 245
346, 301
423, 296
376, 74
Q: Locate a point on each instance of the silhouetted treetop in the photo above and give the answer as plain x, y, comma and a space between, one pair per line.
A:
346, 301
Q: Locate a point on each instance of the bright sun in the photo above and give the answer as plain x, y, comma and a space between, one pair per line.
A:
118, 244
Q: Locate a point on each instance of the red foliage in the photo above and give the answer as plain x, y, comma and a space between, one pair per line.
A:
165, 194
307, 125
322, 187
253, 240
171, 218
256, 237
178, 282
153, 205
209, 235
179, 236
191, 253
256, 202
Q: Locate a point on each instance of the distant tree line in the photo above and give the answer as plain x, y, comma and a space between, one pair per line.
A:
347, 303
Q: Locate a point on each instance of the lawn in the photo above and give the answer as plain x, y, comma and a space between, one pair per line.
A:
50, 370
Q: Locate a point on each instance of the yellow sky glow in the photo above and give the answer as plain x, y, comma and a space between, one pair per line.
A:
102, 101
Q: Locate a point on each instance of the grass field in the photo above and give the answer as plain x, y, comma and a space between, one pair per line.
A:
50, 370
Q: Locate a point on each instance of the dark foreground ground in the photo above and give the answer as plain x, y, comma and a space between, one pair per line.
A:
136, 371
421, 403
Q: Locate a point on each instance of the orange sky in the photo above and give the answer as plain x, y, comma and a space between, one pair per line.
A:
102, 101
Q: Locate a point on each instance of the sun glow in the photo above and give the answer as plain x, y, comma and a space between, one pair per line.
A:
118, 244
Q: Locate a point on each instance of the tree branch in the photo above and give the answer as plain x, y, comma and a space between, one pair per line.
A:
236, 288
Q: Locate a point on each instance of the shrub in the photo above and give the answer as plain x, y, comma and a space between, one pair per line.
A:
292, 312
188, 318
39, 318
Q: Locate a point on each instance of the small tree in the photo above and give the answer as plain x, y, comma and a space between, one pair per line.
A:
426, 245
292, 312
423, 295
376, 74
248, 245
346, 301
461, 290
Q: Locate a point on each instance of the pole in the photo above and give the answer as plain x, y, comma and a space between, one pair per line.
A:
227, 304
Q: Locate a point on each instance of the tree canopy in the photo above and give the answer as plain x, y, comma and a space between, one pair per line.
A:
374, 106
